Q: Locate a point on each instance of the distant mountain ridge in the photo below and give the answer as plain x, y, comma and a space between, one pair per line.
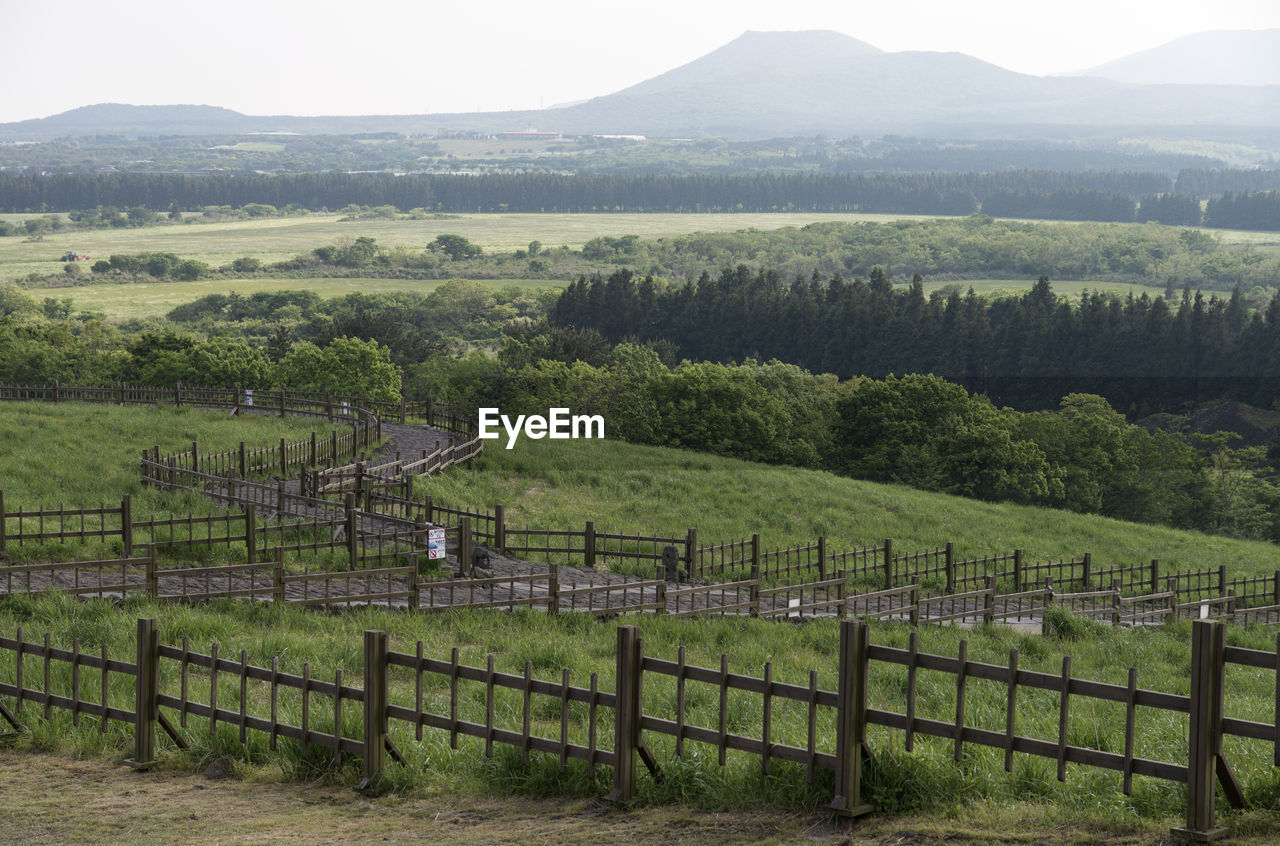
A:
772, 84
1222, 57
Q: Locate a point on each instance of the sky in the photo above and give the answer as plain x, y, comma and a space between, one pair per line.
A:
320, 57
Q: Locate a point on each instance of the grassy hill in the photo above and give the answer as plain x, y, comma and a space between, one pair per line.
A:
625, 487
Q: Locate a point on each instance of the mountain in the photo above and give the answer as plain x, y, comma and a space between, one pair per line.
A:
779, 84
1224, 57
123, 119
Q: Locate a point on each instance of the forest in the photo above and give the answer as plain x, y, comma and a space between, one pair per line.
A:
1089, 195
1143, 353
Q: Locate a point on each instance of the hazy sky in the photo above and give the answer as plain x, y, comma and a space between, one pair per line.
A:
316, 57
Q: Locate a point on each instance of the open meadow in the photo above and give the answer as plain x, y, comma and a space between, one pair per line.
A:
279, 238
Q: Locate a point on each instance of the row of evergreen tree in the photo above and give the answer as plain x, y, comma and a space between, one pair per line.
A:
1101, 196
1140, 352
934, 193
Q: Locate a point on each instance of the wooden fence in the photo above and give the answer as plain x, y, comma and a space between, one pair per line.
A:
167, 680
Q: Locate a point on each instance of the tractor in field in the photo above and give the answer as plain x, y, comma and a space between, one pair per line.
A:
72, 255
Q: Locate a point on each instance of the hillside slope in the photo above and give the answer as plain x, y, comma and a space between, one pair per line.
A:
625, 487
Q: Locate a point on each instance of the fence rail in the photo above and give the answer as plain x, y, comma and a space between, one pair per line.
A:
189, 685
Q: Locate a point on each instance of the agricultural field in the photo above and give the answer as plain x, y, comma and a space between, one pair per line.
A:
276, 239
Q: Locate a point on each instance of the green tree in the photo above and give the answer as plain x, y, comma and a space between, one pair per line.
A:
456, 247
344, 366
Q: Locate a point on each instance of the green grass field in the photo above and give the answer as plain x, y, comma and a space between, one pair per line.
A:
624, 487
122, 302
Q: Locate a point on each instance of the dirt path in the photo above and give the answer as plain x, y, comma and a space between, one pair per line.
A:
51, 799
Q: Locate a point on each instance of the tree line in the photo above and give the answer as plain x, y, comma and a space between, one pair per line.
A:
1143, 353
918, 430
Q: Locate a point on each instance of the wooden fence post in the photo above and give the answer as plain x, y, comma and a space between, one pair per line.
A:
989, 601
1275, 585
660, 591
277, 578
851, 710
353, 552
375, 706
284, 459
626, 731
500, 527
244, 463
1222, 580
822, 558
753, 591
146, 689
1205, 732
251, 532
177, 394
333, 448
1155, 575
553, 590
690, 552
126, 524
888, 563
152, 578
464, 547
1087, 578
414, 600
314, 455
237, 401
2, 523
589, 546
195, 456
1017, 571
949, 563
283, 391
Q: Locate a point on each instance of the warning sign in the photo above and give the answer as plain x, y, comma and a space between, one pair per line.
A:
435, 544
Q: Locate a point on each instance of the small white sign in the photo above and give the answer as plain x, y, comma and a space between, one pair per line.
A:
435, 544
248, 397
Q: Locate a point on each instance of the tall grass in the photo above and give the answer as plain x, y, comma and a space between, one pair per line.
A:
897, 781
